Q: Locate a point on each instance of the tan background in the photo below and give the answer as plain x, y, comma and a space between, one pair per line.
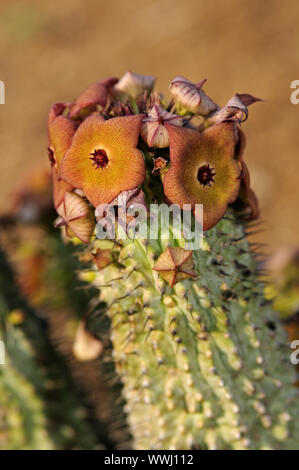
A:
51, 50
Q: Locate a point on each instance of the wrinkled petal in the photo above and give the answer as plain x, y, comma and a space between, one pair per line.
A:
236, 109
95, 94
56, 110
61, 131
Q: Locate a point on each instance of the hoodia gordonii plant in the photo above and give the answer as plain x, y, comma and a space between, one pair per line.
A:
203, 361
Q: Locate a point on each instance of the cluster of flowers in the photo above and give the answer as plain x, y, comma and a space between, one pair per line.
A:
119, 136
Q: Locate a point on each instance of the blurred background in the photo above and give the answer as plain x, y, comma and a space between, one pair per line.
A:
50, 51
57, 394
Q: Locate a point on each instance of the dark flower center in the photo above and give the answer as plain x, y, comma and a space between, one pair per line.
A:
99, 158
205, 175
51, 156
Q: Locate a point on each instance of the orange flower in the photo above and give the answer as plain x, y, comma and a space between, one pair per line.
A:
96, 93
175, 265
103, 159
61, 131
203, 170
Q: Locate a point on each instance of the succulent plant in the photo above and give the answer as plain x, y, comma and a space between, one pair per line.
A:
200, 353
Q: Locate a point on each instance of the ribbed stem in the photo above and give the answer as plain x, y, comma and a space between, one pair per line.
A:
205, 364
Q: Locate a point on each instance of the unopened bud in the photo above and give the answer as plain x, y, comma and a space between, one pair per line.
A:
153, 130
191, 96
133, 84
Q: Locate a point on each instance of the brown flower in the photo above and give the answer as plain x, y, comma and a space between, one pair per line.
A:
203, 170
103, 159
175, 265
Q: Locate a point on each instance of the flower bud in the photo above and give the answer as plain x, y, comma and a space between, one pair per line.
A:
191, 97
133, 84
236, 109
86, 347
159, 164
76, 216
175, 265
153, 130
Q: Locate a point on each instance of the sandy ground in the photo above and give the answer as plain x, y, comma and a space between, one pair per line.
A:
51, 50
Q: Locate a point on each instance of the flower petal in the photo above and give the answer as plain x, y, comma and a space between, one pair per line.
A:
56, 110
61, 131
96, 93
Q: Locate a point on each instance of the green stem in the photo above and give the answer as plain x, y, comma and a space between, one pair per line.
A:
200, 364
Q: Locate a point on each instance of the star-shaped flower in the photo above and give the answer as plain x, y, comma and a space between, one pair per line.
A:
103, 159
175, 265
61, 131
203, 170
